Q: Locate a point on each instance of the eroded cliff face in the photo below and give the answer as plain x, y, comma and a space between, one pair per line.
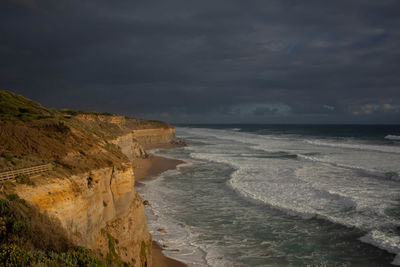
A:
115, 119
97, 209
130, 147
91, 187
101, 209
156, 136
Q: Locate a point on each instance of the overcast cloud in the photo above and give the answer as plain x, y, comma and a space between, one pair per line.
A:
276, 61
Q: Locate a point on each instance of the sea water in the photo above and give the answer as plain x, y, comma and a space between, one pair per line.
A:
259, 195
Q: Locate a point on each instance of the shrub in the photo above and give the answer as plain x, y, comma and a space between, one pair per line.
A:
82, 257
7, 156
4, 207
30, 238
112, 256
15, 107
16, 225
24, 179
12, 197
12, 255
15, 197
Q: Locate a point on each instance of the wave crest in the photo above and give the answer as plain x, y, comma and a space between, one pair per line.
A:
392, 137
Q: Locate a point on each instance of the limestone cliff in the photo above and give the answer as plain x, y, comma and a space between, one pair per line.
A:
130, 147
95, 207
91, 188
154, 136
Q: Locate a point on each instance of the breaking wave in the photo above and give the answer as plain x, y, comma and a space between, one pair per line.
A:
392, 137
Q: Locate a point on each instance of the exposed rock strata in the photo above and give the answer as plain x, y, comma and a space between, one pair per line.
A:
130, 147
155, 136
91, 188
94, 205
101, 204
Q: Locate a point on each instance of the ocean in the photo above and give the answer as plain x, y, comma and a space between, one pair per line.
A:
280, 195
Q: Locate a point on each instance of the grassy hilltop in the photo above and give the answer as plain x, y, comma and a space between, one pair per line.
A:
75, 141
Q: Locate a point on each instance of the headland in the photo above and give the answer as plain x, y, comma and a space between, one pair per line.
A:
84, 209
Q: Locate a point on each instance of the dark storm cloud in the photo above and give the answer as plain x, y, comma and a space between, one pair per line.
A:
208, 61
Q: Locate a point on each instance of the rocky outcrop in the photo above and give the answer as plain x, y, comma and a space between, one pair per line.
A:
90, 189
98, 208
130, 147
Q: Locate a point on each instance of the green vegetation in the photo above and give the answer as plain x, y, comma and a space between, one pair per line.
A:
112, 257
29, 238
13, 255
72, 112
31, 135
144, 251
24, 179
16, 224
15, 107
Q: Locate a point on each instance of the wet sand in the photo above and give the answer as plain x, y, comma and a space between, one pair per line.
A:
153, 166
159, 260
145, 169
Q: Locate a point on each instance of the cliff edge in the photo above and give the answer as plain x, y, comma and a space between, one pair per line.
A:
90, 190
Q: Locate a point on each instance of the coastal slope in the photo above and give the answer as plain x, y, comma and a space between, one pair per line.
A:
90, 189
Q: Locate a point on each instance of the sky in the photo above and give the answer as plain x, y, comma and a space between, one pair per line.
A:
208, 61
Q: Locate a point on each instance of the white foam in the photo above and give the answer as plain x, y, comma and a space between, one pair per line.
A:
357, 146
392, 137
384, 241
328, 184
177, 242
373, 171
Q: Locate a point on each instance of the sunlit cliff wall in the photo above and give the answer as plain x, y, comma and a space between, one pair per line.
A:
92, 206
154, 136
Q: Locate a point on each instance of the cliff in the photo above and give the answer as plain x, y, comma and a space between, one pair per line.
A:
96, 208
91, 189
130, 147
152, 137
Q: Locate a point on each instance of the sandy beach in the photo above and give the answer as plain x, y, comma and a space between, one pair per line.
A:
147, 168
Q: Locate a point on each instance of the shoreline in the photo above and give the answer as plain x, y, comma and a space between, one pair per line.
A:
146, 169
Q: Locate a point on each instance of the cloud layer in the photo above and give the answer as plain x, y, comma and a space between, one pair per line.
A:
208, 61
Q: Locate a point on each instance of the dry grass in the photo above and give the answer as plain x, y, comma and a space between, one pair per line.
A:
74, 141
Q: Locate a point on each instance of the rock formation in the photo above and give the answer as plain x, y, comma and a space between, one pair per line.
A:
91, 190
